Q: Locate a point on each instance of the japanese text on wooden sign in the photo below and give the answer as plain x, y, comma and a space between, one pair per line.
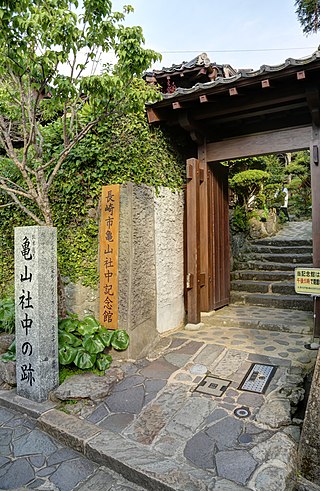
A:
109, 247
25, 311
307, 281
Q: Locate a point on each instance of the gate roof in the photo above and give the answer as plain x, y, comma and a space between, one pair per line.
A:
245, 102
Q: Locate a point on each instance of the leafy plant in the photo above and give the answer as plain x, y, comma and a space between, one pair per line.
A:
299, 185
10, 355
248, 183
83, 342
7, 315
239, 220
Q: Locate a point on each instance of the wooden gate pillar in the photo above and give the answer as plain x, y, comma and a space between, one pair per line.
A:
193, 241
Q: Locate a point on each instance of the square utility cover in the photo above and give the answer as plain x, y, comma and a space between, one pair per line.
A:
258, 378
213, 386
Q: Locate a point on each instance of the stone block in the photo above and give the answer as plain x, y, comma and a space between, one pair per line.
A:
169, 257
36, 311
137, 272
235, 465
68, 429
88, 385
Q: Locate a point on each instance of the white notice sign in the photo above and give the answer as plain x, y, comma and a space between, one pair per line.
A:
307, 281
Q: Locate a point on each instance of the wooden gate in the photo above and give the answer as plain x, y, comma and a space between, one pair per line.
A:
207, 238
219, 221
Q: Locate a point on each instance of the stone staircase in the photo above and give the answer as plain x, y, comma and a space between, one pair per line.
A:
264, 273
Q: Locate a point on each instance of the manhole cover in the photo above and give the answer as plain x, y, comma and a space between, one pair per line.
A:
213, 386
242, 412
258, 378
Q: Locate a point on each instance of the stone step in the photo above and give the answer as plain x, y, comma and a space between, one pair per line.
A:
261, 275
276, 266
282, 287
277, 249
295, 302
261, 317
279, 258
282, 242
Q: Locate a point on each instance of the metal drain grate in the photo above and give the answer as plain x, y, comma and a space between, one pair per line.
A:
212, 386
258, 378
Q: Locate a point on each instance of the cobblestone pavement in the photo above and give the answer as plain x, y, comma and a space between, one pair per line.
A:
31, 458
151, 421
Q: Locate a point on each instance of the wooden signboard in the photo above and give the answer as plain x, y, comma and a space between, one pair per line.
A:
307, 281
109, 247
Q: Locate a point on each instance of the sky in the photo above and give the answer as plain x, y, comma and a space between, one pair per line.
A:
242, 33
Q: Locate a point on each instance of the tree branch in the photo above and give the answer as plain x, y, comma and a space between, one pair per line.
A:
7, 204
63, 155
5, 179
8, 190
24, 208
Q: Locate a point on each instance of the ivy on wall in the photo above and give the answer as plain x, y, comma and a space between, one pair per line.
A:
125, 150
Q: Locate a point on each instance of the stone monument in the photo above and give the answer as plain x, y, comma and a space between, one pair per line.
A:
36, 311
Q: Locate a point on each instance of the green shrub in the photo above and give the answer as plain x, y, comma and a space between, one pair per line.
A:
239, 220
248, 184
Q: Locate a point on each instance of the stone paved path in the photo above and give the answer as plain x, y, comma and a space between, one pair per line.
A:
31, 458
295, 230
155, 428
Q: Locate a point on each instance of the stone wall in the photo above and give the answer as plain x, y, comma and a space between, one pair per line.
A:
151, 295
169, 213
82, 300
137, 270
309, 449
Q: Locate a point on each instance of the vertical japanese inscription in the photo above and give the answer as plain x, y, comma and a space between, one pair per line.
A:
25, 310
109, 248
36, 311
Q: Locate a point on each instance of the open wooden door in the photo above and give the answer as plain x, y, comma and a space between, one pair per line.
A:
219, 221
207, 238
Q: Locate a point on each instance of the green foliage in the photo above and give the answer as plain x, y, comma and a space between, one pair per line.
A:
7, 315
10, 355
299, 185
308, 12
265, 177
46, 50
83, 342
239, 220
71, 133
119, 151
248, 183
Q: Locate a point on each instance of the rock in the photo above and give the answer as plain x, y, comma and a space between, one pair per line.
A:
88, 386
276, 412
235, 465
260, 227
8, 372
5, 341
279, 447
271, 478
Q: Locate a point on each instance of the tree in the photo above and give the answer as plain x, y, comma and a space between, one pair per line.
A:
308, 12
36, 38
46, 47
